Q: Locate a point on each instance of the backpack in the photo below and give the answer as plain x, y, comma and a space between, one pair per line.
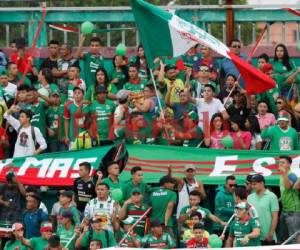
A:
32, 133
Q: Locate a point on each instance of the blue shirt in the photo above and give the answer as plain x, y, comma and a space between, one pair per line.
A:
32, 222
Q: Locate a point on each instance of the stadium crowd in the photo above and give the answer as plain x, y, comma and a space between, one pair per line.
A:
75, 101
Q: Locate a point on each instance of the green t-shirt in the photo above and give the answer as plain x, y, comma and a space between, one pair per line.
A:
165, 241
76, 216
128, 186
135, 87
65, 236
75, 123
104, 115
91, 93
13, 246
113, 185
55, 121
238, 230
39, 116
290, 199
281, 140
106, 236
91, 64
38, 243
159, 199
128, 241
120, 76
281, 73
136, 213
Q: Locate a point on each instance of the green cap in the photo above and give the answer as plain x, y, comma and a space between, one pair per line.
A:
136, 190
56, 92
3, 72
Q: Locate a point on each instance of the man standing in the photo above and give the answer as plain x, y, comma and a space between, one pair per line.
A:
163, 200
290, 216
14, 75
266, 204
9, 89
84, 187
282, 136
135, 84
51, 61
113, 180
224, 202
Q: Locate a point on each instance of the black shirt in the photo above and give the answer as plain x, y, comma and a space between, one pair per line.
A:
84, 192
48, 63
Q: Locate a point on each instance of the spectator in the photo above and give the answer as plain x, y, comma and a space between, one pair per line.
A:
209, 104
11, 194
282, 136
135, 208
199, 240
230, 83
61, 71
132, 240
141, 61
186, 185
227, 66
244, 231
74, 80
283, 105
46, 86
241, 139
101, 79
84, 186
101, 204
97, 233
240, 105
121, 114
14, 76
265, 119
217, 132
167, 78
67, 229
33, 216
267, 207
113, 180
93, 59
119, 75
14, 242
157, 238
224, 203
9, 89
65, 200
95, 244
28, 136
262, 60
240, 195
4, 143
289, 217
33, 191
135, 84
54, 243
41, 242
273, 93
163, 200
51, 61
252, 125
136, 181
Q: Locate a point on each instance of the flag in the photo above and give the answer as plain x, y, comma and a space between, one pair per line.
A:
165, 34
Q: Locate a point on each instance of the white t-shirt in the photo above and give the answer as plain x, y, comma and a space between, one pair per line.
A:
215, 106
25, 145
10, 90
255, 139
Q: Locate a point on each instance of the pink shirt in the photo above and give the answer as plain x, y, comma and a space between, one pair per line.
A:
266, 120
216, 138
246, 137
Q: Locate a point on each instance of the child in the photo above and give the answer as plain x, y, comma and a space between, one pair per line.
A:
200, 237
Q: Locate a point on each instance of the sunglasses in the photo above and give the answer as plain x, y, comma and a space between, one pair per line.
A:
236, 46
232, 185
204, 70
278, 102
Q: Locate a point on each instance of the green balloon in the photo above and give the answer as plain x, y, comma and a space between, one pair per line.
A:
298, 47
87, 27
117, 194
214, 241
121, 50
227, 141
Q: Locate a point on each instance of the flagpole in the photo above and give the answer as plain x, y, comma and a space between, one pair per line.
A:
250, 55
156, 93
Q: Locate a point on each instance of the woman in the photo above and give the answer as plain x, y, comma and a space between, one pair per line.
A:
285, 70
13, 242
141, 61
119, 75
67, 230
241, 139
217, 132
101, 79
45, 85
230, 80
265, 119
252, 125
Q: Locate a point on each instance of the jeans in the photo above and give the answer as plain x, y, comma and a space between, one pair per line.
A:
289, 224
56, 147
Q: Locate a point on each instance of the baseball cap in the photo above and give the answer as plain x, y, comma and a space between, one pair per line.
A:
122, 94
258, 178
166, 179
68, 194
156, 223
77, 87
242, 205
129, 221
136, 190
56, 92
67, 214
46, 226
100, 89
169, 66
189, 166
267, 67
102, 217
17, 226
283, 116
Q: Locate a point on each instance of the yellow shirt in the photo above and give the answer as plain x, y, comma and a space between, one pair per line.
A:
178, 86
